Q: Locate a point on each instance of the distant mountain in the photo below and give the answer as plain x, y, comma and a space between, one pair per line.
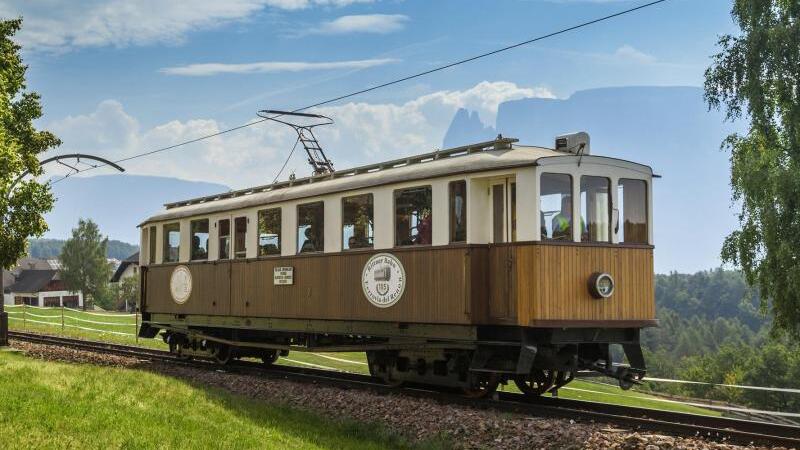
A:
51, 248
668, 128
118, 203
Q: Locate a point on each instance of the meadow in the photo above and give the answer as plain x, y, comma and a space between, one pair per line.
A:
119, 328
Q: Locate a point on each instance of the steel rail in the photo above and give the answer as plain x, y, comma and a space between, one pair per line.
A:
713, 428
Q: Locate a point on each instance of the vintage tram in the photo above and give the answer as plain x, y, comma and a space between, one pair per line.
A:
464, 267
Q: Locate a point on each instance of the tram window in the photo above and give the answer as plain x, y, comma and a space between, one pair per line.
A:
311, 227
413, 216
632, 199
240, 237
555, 206
595, 209
357, 222
199, 230
458, 211
269, 232
513, 212
172, 242
224, 239
152, 246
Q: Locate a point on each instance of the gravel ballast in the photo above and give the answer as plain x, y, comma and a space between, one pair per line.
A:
415, 418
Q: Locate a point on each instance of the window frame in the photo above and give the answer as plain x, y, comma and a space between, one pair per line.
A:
152, 245
298, 247
610, 218
165, 243
621, 214
450, 210
235, 235
371, 245
191, 237
572, 207
394, 215
220, 236
258, 232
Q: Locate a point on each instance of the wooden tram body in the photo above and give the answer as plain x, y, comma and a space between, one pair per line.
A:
503, 303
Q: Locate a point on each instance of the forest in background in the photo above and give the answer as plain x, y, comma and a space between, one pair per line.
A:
712, 329
51, 249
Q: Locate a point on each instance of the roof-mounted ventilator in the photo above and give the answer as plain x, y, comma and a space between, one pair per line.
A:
320, 164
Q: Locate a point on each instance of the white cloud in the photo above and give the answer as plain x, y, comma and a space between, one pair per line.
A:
366, 23
62, 25
363, 133
206, 69
628, 53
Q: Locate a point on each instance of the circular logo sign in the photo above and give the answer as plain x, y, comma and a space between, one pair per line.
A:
383, 280
180, 284
601, 285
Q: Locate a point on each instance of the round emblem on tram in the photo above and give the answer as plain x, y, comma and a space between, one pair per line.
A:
180, 284
383, 280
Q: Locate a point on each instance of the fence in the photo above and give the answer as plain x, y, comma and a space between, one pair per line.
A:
63, 317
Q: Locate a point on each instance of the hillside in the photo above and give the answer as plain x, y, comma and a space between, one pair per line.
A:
118, 203
667, 128
51, 248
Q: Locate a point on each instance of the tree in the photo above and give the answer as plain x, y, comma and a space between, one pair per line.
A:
128, 291
23, 205
83, 261
757, 74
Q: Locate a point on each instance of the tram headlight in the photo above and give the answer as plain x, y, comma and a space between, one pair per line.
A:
601, 285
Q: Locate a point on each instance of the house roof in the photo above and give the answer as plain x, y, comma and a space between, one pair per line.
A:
29, 281
133, 259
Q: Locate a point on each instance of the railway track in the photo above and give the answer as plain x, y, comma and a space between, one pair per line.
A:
737, 431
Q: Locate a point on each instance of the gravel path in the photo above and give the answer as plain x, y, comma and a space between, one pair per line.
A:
418, 419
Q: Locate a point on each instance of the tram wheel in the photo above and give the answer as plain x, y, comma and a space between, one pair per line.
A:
536, 383
481, 386
176, 348
223, 354
269, 357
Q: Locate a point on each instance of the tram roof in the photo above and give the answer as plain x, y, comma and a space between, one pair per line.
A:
502, 153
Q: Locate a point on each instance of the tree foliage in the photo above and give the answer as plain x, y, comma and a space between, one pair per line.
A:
125, 294
21, 208
83, 261
757, 75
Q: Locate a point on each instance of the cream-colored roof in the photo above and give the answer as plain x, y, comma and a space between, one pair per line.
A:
432, 165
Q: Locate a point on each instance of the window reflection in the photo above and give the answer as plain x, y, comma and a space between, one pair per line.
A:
310, 227
555, 206
458, 211
357, 222
413, 216
224, 239
595, 209
199, 231
632, 199
269, 232
172, 242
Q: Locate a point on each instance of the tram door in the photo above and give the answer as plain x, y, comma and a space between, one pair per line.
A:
504, 210
503, 194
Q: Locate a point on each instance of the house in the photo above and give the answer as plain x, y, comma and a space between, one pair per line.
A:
37, 282
129, 267
42, 287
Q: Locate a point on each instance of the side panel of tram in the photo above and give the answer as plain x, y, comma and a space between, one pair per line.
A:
524, 284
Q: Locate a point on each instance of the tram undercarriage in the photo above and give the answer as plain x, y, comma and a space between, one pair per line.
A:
536, 360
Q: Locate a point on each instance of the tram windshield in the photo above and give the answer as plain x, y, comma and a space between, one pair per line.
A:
555, 206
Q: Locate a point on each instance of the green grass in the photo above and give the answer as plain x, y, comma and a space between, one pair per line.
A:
348, 362
58, 405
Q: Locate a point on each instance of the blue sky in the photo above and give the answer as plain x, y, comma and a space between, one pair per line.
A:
119, 77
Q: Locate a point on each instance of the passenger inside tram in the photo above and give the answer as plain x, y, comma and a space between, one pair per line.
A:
562, 222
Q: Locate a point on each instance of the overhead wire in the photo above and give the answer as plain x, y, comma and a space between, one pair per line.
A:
389, 83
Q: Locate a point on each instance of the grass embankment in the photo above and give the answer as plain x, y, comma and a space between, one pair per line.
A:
348, 362
58, 405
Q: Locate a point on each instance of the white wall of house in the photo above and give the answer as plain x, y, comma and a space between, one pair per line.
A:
40, 296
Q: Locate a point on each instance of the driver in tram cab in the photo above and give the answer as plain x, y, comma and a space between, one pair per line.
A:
562, 222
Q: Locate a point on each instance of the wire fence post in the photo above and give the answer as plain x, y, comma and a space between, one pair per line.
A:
62, 316
24, 307
136, 326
